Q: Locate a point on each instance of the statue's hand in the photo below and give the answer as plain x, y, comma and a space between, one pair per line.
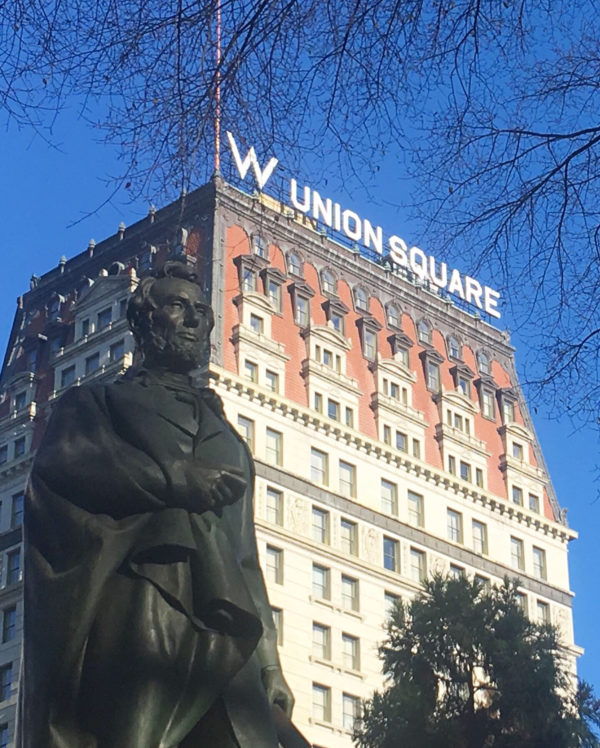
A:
213, 488
278, 691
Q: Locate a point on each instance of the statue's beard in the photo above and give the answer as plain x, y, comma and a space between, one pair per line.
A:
174, 353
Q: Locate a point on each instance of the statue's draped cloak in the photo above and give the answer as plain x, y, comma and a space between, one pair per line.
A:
142, 614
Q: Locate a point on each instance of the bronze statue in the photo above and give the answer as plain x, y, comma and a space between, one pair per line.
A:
147, 620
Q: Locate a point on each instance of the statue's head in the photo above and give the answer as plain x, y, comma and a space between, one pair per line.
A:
171, 319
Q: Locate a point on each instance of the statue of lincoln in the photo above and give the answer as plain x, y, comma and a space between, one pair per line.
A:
147, 623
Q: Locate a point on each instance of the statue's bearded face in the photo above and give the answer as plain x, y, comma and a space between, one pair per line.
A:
180, 325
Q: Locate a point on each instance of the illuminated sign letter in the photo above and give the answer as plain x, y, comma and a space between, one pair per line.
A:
261, 176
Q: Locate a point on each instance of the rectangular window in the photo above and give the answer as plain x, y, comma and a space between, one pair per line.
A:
274, 447
3, 454
321, 641
416, 509
320, 525
508, 411
433, 377
117, 351
480, 537
390, 602
302, 311
517, 451
328, 358
349, 417
321, 703
350, 652
349, 537
13, 567
347, 479
451, 465
487, 404
534, 503
248, 279
274, 294
20, 446
9, 622
463, 386
85, 327
517, 557
416, 448
274, 506
351, 712
92, 363
246, 429
465, 471
387, 435
274, 564
67, 376
337, 321
272, 380
277, 614
318, 402
333, 410
4, 735
319, 467
542, 611
539, 563
418, 566
30, 365
251, 371
479, 477
401, 441
391, 554
5, 682
104, 318
454, 526
257, 324
483, 581
20, 400
517, 495
321, 588
389, 497
16, 514
395, 390
522, 602
370, 345
122, 308
55, 344
456, 572
350, 599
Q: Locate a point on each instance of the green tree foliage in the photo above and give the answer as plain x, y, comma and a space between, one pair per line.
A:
466, 668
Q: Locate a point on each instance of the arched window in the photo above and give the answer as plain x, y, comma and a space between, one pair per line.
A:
328, 281
485, 365
393, 315
260, 246
424, 331
294, 264
453, 347
360, 298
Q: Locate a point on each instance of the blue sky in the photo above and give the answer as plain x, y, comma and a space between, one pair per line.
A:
54, 199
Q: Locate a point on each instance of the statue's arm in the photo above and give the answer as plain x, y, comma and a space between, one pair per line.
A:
82, 459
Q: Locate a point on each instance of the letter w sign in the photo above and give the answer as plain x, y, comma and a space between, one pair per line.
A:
261, 175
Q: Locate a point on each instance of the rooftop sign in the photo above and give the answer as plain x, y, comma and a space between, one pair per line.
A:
363, 232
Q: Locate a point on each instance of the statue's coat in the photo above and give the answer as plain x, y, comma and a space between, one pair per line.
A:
172, 615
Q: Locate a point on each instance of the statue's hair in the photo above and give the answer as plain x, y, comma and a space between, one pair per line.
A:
141, 304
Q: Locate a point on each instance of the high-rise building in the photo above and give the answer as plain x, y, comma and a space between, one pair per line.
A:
390, 434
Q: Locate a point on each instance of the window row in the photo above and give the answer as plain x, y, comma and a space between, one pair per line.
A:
18, 450
273, 444
335, 411
348, 646
417, 560
402, 441
92, 363
538, 558
465, 471
533, 500
351, 709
